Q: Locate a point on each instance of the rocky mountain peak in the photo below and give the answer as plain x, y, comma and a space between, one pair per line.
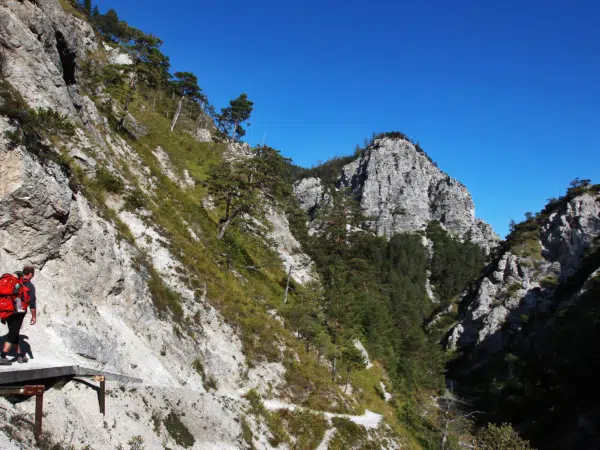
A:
403, 190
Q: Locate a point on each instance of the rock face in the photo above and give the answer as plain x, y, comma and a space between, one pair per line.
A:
42, 45
527, 337
402, 190
95, 306
298, 264
517, 285
311, 194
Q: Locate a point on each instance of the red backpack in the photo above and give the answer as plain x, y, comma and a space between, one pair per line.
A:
10, 288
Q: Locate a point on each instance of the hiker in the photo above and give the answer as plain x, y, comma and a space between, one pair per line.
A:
15, 321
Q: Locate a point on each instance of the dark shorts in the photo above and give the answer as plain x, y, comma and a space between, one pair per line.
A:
14, 328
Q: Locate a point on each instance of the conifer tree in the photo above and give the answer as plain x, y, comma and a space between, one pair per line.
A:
241, 187
353, 359
232, 117
87, 7
186, 85
143, 50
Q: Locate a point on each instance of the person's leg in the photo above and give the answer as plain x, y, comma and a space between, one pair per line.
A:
19, 318
14, 325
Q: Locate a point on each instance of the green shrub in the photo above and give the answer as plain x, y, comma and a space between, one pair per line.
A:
134, 200
247, 434
512, 289
350, 435
178, 431
256, 405
136, 443
109, 181
501, 438
549, 282
307, 428
208, 382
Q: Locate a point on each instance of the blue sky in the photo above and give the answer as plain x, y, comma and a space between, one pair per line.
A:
504, 95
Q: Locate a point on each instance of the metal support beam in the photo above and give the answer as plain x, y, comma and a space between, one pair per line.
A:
30, 391
39, 414
102, 393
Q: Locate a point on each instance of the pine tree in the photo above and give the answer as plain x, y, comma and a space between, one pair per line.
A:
232, 118
353, 359
186, 85
87, 7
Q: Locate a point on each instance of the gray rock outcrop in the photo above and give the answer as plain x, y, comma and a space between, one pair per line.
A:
298, 264
41, 45
135, 128
402, 190
519, 285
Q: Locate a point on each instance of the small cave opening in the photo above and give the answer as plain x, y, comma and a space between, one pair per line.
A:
67, 59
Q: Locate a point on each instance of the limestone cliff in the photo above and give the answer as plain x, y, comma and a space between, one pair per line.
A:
402, 190
523, 280
526, 340
118, 289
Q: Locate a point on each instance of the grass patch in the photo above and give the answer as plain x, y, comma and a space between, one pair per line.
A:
109, 181
247, 434
305, 427
350, 435
68, 7
208, 382
512, 289
272, 420
164, 297
178, 431
549, 282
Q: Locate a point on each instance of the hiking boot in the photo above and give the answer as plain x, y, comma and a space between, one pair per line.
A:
22, 359
5, 362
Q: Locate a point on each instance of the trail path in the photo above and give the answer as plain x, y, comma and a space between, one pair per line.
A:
368, 420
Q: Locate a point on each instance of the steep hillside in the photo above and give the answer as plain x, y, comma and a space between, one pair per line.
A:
401, 190
528, 337
122, 219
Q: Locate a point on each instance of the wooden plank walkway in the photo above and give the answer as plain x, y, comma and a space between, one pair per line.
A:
40, 369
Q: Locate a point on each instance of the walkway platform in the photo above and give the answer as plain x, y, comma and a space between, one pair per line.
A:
35, 370
36, 376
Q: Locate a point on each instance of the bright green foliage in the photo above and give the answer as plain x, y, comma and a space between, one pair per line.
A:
186, 85
501, 438
147, 60
376, 290
233, 117
231, 187
352, 359
111, 27
304, 315
240, 187
454, 263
